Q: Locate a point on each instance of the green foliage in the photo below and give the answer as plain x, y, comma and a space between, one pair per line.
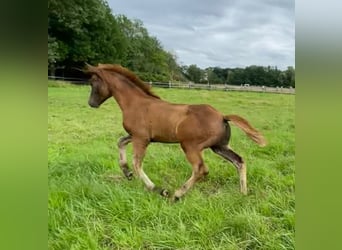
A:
91, 206
86, 31
290, 76
194, 73
145, 55
213, 75
253, 75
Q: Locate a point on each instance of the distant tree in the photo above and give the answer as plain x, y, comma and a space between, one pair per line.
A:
83, 31
213, 78
175, 71
230, 75
221, 74
54, 54
87, 31
238, 76
290, 77
145, 54
194, 73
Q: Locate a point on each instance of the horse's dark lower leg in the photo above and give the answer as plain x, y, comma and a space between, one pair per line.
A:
238, 162
122, 156
199, 169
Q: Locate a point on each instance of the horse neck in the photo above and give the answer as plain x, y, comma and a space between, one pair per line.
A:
127, 96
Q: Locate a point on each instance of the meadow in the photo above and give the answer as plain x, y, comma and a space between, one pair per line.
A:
92, 206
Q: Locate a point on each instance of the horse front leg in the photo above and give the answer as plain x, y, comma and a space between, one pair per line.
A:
139, 149
122, 156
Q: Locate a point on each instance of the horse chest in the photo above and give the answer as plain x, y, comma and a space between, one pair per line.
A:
136, 125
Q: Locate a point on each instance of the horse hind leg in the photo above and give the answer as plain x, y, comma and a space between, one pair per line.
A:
199, 169
238, 162
122, 156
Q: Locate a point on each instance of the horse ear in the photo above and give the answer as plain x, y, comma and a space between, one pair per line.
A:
89, 69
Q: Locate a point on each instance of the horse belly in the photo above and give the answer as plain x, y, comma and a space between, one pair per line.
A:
164, 134
164, 125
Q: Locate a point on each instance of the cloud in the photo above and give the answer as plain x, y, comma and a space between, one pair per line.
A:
225, 33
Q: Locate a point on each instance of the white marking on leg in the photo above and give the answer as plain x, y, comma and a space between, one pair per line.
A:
140, 172
243, 178
123, 159
149, 184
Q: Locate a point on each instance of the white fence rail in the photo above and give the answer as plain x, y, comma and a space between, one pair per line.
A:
224, 87
190, 85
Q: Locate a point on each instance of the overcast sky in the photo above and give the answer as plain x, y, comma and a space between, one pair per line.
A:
224, 33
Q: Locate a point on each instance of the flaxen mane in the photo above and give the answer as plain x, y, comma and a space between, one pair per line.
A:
129, 75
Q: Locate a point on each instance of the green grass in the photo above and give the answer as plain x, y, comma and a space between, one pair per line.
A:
91, 206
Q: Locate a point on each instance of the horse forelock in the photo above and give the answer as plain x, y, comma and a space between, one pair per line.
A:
124, 72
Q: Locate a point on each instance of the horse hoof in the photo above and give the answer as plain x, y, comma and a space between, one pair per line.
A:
164, 193
129, 176
175, 198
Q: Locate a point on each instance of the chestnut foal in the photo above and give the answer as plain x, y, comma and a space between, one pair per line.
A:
147, 118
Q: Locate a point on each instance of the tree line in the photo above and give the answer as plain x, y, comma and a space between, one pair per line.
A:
86, 31
252, 75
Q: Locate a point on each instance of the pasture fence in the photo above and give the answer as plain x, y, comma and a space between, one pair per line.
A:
191, 85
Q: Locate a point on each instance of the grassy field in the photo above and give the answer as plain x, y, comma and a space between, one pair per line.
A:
91, 206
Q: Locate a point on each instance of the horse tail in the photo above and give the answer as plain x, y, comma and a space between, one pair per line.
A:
244, 125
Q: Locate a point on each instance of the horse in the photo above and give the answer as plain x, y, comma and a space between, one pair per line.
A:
147, 119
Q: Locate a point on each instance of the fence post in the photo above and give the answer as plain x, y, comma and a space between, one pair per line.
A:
170, 84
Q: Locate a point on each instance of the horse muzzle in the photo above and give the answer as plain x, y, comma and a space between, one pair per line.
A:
93, 105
